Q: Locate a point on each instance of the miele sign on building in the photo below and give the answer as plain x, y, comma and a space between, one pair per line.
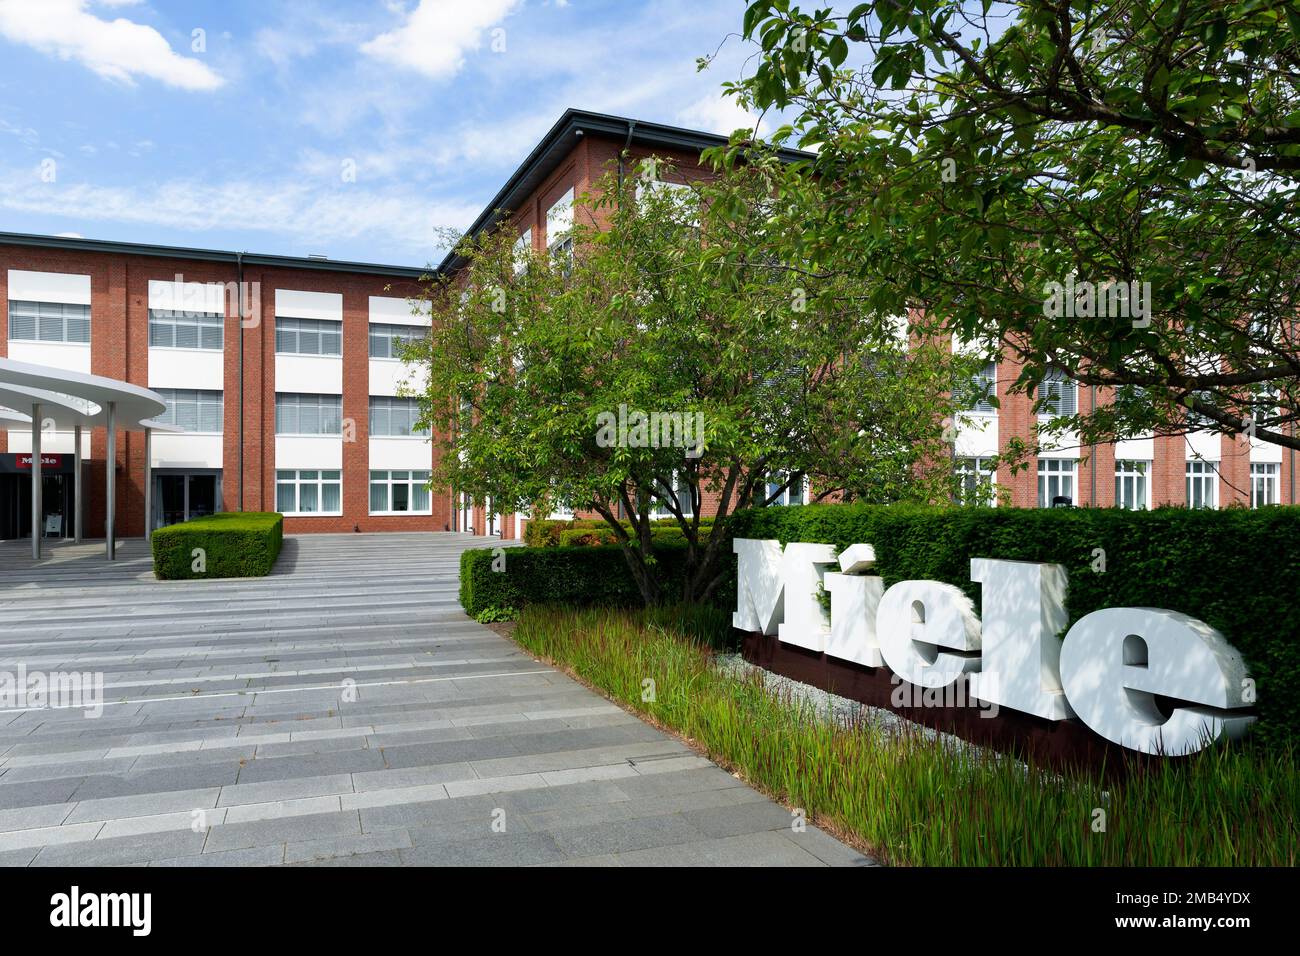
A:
1108, 671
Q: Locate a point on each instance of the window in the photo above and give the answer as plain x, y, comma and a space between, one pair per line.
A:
395, 417
1056, 480
559, 229
48, 322
192, 409
1058, 393
186, 330
309, 492
386, 341
984, 386
523, 250
1264, 484
682, 490
1132, 489
399, 492
308, 336
975, 479
1202, 485
794, 495
308, 414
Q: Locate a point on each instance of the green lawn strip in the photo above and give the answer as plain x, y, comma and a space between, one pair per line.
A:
912, 798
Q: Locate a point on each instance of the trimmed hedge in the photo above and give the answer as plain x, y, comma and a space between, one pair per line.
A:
236, 544
593, 532
573, 576
1236, 569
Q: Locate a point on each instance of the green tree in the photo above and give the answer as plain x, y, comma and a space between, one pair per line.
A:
998, 163
680, 303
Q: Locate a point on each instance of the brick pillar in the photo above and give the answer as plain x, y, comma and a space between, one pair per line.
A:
1016, 419
1234, 470
1169, 471
356, 407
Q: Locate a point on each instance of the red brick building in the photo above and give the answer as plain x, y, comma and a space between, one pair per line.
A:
280, 370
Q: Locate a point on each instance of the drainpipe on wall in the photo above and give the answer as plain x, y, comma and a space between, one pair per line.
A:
239, 293
631, 125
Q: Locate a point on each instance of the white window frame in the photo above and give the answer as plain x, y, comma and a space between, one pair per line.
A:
21, 306
1265, 483
987, 376
413, 404
684, 503
321, 327
1057, 383
793, 496
392, 333
200, 397
388, 481
1206, 474
203, 322
1130, 476
279, 401
320, 481
977, 468
1055, 479
523, 250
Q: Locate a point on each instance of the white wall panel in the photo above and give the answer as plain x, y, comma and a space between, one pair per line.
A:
70, 288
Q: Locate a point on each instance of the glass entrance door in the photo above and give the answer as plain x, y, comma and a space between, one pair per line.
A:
171, 499
182, 497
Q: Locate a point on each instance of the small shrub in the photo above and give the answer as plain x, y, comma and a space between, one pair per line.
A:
231, 544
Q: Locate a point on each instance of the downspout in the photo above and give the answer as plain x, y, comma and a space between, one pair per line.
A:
239, 293
631, 125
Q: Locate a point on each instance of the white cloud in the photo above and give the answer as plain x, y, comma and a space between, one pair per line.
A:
437, 35
304, 213
715, 113
117, 49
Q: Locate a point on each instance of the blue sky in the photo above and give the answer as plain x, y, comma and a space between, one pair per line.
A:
348, 129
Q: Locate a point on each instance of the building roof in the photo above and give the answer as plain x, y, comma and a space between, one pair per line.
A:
209, 255
559, 142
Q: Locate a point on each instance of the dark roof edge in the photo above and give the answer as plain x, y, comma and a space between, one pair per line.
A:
209, 255
574, 121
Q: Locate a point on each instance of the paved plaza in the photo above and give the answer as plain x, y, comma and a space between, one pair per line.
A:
343, 711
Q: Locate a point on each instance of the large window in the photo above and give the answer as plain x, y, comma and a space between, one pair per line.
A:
1264, 480
186, 330
308, 336
682, 492
309, 492
48, 322
386, 341
559, 228
983, 387
1202, 485
975, 481
1133, 485
308, 414
796, 494
1058, 393
1056, 480
395, 417
194, 410
399, 492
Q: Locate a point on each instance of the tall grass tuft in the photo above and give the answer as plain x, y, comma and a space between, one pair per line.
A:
914, 798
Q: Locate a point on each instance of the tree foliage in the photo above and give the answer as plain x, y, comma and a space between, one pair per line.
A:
689, 302
983, 151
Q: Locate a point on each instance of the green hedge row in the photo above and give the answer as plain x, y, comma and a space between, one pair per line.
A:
593, 532
233, 544
518, 577
1235, 569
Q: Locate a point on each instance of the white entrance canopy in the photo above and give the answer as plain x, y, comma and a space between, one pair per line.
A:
63, 399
